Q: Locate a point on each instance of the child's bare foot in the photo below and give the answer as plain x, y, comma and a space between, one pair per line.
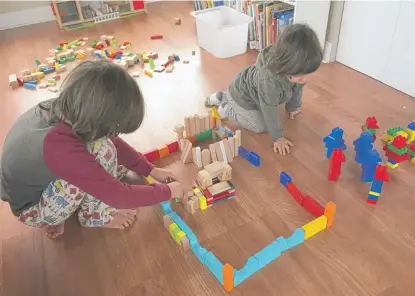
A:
123, 219
54, 231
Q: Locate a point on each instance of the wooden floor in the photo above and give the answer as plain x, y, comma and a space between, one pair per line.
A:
369, 250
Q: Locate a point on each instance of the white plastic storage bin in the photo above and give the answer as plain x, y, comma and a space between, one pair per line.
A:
222, 31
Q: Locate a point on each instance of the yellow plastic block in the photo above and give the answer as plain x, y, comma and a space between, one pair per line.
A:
413, 160
392, 166
202, 202
411, 136
386, 138
315, 227
374, 193
196, 190
148, 73
172, 227
150, 180
215, 113
179, 236
402, 133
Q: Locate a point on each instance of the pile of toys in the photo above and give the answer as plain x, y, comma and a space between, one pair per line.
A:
399, 145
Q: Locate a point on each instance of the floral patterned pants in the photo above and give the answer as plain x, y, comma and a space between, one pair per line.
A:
60, 199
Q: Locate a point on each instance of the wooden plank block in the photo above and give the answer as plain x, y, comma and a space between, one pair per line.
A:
231, 143
184, 242
194, 155
212, 123
205, 157
167, 221
229, 154
207, 122
223, 151
187, 125
213, 156
186, 155
219, 155
199, 157
238, 134
219, 188
192, 126
202, 123
235, 145
197, 124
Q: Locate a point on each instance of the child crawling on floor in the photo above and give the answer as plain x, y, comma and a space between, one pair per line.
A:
65, 155
278, 77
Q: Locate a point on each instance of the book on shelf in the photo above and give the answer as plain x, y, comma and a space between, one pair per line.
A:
269, 18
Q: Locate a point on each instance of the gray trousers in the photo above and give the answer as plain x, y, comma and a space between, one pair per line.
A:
249, 119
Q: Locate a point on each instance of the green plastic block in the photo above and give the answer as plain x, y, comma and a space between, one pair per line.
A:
203, 136
411, 153
94, 43
37, 62
393, 131
59, 48
62, 61
113, 42
401, 151
71, 58
151, 63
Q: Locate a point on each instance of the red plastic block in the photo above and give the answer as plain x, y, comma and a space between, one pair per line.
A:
173, 146
395, 156
372, 202
381, 173
156, 37
372, 123
399, 142
336, 159
152, 155
313, 207
293, 190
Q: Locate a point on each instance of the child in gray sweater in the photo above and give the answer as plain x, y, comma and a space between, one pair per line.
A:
278, 77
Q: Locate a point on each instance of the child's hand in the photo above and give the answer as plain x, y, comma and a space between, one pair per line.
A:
293, 114
282, 146
176, 190
163, 176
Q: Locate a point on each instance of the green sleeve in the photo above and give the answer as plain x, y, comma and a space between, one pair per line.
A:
296, 99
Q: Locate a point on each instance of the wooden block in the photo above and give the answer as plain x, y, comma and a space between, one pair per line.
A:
190, 206
211, 119
238, 134
179, 130
184, 242
235, 145
163, 151
194, 155
43, 85
199, 157
227, 272
205, 157
330, 212
314, 227
202, 123
167, 220
219, 155
181, 144
219, 188
197, 124
229, 153
192, 126
206, 123
187, 155
223, 151
204, 179
187, 125
231, 143
212, 150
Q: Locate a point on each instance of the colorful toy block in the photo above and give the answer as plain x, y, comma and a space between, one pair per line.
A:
334, 140
173, 147
153, 37
163, 151
381, 175
330, 212
314, 227
285, 179
336, 160
250, 156
366, 156
293, 190
371, 126
312, 206
152, 155
228, 277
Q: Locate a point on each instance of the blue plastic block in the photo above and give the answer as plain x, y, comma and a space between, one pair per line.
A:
334, 140
254, 159
214, 265
411, 126
243, 152
283, 244
176, 58
165, 205
285, 179
118, 56
230, 134
392, 161
29, 86
296, 238
362, 146
268, 254
34, 82
376, 186
372, 197
251, 266
199, 251
98, 55
107, 53
49, 70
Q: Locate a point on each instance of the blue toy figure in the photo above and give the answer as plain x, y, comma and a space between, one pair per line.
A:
334, 140
366, 156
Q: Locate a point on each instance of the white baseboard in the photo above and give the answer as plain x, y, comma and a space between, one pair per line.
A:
26, 17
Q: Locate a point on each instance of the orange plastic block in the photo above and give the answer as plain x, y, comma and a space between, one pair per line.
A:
329, 212
163, 151
192, 139
227, 272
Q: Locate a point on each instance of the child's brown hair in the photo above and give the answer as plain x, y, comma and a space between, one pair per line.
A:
297, 51
99, 99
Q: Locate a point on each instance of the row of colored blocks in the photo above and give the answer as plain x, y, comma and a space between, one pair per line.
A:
174, 146
230, 277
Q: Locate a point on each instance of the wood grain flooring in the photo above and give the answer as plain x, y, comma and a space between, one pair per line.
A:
369, 250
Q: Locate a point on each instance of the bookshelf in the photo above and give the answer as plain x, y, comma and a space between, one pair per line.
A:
270, 17
77, 12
